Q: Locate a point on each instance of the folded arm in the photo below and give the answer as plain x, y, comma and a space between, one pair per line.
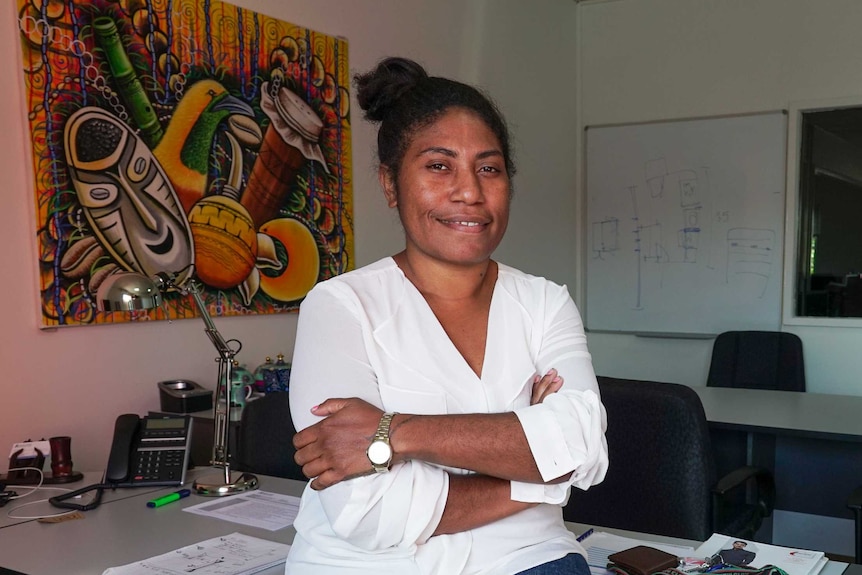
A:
333, 449
505, 450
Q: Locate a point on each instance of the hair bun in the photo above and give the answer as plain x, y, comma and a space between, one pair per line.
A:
379, 89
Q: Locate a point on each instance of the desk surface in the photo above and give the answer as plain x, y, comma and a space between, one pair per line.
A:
34, 503
124, 530
834, 417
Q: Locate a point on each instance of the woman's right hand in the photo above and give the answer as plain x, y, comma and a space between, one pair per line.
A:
334, 448
544, 386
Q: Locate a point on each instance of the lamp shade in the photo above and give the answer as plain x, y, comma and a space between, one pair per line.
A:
128, 292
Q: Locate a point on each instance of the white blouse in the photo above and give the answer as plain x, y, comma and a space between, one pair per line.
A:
370, 334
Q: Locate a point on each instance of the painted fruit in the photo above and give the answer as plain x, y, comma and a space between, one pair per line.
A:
303, 260
225, 241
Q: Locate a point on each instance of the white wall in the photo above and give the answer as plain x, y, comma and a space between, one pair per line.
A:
664, 59
528, 64
75, 381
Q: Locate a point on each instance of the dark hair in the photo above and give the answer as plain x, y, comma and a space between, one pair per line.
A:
400, 95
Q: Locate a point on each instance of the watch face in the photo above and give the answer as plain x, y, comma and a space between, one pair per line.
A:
379, 452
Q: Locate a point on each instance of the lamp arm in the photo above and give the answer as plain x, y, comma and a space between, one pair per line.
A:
221, 405
167, 281
224, 350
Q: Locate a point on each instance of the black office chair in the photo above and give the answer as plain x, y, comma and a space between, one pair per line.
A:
266, 438
757, 360
661, 477
752, 360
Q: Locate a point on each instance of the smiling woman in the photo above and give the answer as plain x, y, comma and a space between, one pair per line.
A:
452, 191
444, 430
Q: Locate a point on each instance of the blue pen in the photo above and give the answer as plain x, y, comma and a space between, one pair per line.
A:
165, 499
584, 535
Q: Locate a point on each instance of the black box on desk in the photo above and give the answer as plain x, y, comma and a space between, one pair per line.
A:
184, 396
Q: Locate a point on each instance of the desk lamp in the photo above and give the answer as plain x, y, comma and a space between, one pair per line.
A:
135, 292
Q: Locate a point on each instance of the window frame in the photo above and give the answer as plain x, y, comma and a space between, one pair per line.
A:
795, 221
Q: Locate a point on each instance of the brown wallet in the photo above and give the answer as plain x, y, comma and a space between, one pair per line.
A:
643, 560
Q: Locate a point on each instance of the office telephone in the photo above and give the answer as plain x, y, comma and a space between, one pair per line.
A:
152, 450
145, 451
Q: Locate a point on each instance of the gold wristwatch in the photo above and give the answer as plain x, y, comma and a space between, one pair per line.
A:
380, 451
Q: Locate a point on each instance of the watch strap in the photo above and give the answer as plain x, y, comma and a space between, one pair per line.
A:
383, 428
382, 434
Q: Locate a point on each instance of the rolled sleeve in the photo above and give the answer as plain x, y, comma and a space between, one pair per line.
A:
565, 434
399, 509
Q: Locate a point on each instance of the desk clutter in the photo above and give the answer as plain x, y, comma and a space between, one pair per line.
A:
187, 396
28, 458
270, 377
723, 550
720, 554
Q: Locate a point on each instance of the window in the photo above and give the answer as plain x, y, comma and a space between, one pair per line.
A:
829, 265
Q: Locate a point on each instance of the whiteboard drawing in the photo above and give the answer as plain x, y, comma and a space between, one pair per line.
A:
691, 207
750, 258
656, 172
686, 224
659, 179
688, 189
685, 208
650, 245
605, 236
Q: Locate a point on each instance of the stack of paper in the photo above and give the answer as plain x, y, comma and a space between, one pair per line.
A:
234, 554
744, 553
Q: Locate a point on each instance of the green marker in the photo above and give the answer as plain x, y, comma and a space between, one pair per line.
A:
170, 498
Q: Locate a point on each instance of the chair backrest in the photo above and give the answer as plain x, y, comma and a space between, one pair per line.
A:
757, 360
661, 470
266, 438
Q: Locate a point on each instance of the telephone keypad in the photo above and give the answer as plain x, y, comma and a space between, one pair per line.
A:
158, 465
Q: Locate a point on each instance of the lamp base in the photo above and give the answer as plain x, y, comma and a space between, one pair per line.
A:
215, 486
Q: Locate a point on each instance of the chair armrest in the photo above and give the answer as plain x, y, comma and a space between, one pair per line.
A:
742, 475
764, 481
854, 501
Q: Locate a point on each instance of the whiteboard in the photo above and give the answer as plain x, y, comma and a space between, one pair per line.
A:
686, 225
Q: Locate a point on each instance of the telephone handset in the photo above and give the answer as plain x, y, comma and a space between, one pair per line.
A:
148, 451
152, 450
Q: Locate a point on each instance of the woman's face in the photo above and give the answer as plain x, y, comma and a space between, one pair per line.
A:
452, 191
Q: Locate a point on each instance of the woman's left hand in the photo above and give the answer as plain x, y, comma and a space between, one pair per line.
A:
544, 386
333, 449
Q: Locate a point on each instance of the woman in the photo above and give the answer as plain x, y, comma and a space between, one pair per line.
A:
434, 356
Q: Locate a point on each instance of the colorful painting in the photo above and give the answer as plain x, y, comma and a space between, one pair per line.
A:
184, 136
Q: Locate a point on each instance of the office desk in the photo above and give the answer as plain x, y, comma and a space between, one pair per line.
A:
125, 530
789, 413
811, 442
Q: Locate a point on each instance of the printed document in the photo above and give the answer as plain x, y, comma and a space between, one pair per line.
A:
754, 555
234, 554
264, 509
